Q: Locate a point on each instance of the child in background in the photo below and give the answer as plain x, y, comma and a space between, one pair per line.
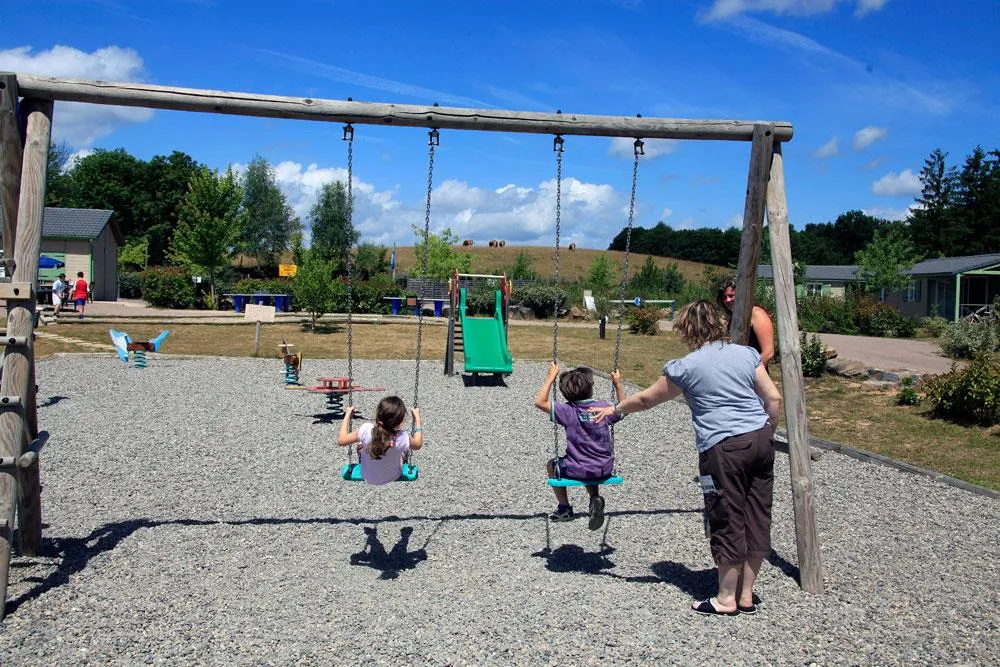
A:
589, 455
383, 446
80, 292
58, 290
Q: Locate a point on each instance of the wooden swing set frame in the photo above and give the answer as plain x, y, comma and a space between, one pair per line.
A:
25, 134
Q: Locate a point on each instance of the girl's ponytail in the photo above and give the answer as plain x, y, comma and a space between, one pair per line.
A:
388, 417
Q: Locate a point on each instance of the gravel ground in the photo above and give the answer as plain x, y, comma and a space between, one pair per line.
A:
194, 515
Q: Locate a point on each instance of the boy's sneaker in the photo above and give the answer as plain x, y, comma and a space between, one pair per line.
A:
562, 514
596, 513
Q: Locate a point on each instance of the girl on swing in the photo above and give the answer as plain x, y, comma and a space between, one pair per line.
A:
384, 445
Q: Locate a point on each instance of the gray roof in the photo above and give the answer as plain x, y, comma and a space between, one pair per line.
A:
952, 265
832, 273
77, 223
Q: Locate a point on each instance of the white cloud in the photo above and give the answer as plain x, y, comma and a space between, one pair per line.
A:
829, 149
74, 158
876, 162
866, 136
903, 184
735, 220
666, 213
516, 213
653, 148
80, 125
887, 213
722, 9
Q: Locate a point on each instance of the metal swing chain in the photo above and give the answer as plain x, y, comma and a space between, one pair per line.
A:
433, 140
349, 138
638, 150
558, 145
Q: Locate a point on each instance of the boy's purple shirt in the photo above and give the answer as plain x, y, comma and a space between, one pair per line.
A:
589, 452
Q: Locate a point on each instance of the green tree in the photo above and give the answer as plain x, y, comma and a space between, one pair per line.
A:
887, 259
267, 218
977, 202
931, 224
522, 268
333, 235
133, 255
297, 242
313, 286
370, 260
57, 181
442, 260
208, 224
110, 180
599, 274
166, 182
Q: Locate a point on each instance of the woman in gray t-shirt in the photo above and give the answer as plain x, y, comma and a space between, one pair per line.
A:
734, 408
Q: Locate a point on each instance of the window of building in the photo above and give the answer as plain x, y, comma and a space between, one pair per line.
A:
814, 289
912, 292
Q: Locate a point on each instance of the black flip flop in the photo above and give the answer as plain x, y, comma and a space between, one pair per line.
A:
752, 609
706, 608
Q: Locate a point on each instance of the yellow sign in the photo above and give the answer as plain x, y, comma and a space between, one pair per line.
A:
287, 270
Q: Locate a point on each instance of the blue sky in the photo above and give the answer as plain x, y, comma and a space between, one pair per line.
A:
871, 86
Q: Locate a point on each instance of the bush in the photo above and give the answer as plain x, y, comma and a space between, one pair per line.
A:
813, 357
130, 285
907, 395
826, 314
969, 396
966, 340
480, 300
643, 321
166, 287
540, 299
262, 286
934, 326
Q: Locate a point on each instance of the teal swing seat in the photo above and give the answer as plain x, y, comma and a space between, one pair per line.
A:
351, 472
613, 480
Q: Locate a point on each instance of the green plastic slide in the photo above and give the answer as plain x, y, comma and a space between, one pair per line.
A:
485, 341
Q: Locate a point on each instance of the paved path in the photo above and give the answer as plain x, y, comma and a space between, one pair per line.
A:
890, 353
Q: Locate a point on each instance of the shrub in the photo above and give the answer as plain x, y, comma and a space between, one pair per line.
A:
262, 286
826, 314
813, 357
968, 396
643, 321
873, 318
480, 300
130, 285
934, 326
540, 299
965, 339
907, 395
166, 287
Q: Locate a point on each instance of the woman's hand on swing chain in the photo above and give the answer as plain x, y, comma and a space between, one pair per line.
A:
598, 415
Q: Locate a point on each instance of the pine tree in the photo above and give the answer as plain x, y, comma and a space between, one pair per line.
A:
931, 224
267, 220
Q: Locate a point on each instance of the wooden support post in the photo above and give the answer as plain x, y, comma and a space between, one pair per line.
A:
11, 153
806, 535
753, 231
18, 362
256, 342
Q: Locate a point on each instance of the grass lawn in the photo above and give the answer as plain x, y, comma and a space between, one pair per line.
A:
839, 409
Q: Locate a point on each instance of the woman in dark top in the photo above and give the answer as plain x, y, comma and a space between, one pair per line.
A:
761, 336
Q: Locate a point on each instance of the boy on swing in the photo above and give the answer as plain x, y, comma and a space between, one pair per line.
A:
590, 455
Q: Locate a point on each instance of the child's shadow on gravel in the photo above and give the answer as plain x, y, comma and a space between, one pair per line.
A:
390, 563
572, 558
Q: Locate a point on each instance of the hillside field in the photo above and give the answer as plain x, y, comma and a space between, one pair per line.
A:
573, 264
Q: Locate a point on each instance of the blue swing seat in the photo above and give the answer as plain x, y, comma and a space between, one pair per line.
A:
351, 472
613, 480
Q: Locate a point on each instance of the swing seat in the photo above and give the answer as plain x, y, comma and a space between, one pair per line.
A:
351, 472
613, 480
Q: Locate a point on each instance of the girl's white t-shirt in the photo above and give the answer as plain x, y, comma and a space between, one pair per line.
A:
390, 466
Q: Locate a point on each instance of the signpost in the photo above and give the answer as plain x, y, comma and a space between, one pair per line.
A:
260, 314
287, 270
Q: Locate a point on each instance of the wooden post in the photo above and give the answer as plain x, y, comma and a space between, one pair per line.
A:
753, 231
256, 341
10, 165
806, 536
18, 361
